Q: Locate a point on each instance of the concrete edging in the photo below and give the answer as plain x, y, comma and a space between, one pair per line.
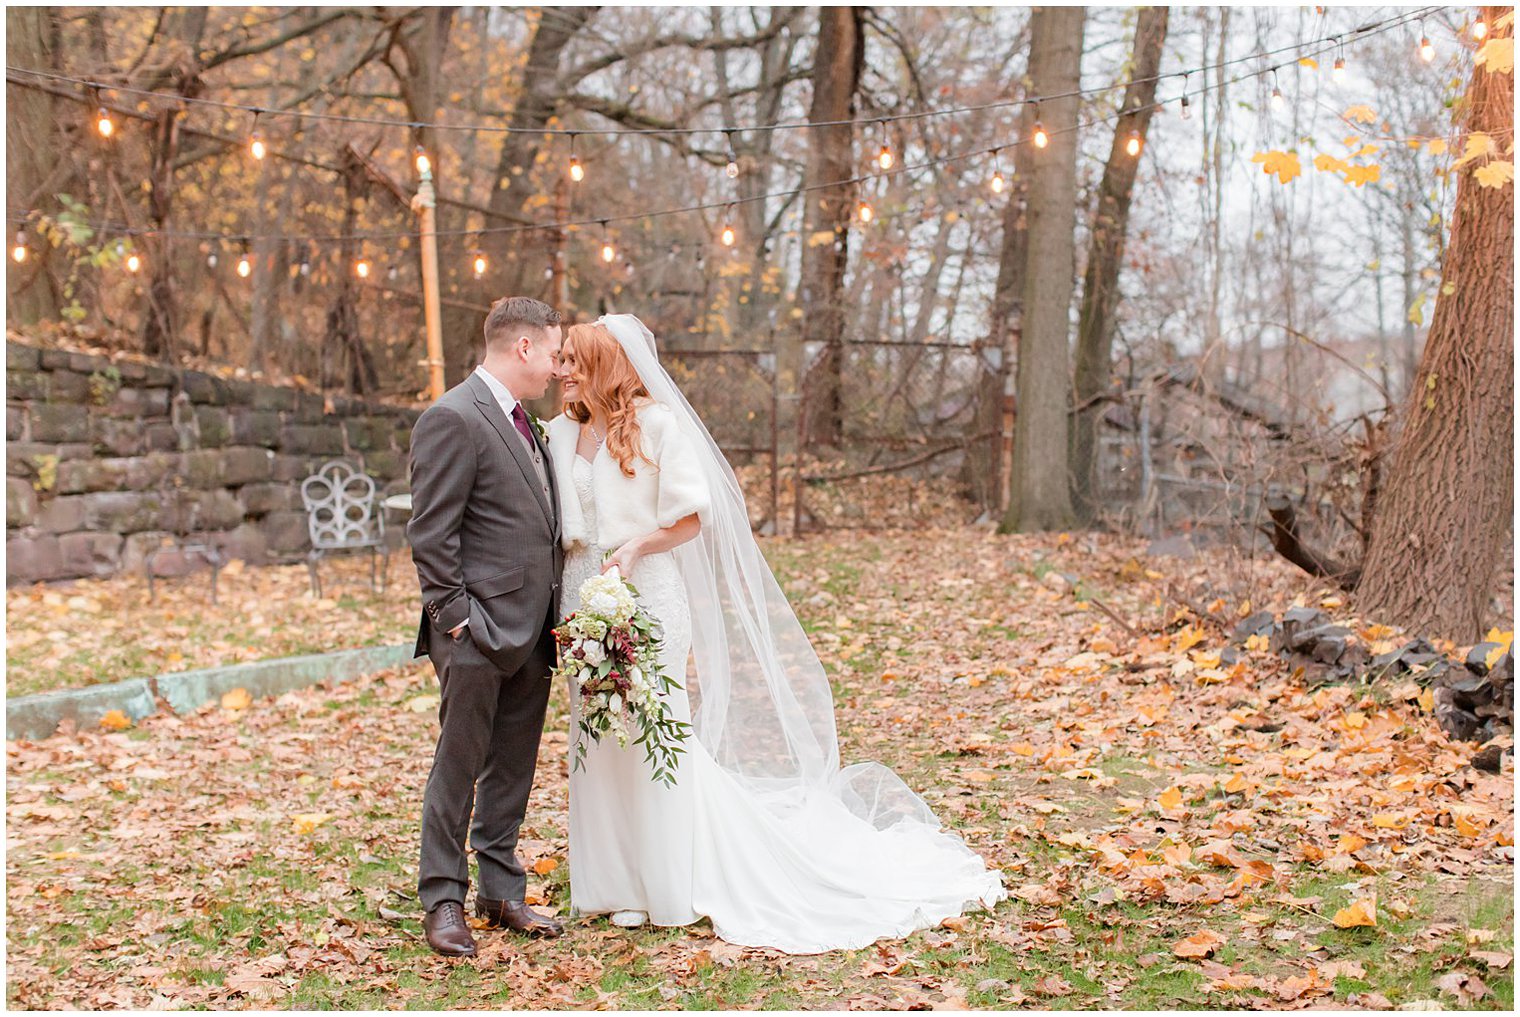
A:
37, 717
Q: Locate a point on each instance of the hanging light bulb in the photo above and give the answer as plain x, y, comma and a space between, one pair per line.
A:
256, 145
1277, 97
732, 169
884, 158
1479, 28
211, 260
244, 266
608, 251
133, 262
103, 123
1427, 51
479, 264
1041, 139
1338, 71
998, 184
1187, 112
393, 273
305, 265
18, 250
420, 157
728, 236
864, 211
577, 173
361, 268
1132, 146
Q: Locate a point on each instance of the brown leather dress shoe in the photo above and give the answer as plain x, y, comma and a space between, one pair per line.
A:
447, 932
517, 916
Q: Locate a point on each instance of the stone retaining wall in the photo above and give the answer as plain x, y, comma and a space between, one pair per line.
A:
106, 459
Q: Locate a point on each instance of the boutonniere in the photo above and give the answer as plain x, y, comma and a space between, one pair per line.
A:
538, 425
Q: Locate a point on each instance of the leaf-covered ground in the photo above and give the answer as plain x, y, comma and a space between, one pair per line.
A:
70, 635
1176, 832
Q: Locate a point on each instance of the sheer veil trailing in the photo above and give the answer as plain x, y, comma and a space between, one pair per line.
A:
762, 704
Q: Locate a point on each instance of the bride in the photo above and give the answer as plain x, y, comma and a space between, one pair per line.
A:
762, 832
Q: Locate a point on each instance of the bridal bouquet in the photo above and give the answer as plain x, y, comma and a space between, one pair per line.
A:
610, 652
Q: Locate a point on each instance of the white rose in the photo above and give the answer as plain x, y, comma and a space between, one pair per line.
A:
595, 653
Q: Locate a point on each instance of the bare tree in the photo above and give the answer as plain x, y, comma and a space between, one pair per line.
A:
1100, 289
1040, 495
1438, 536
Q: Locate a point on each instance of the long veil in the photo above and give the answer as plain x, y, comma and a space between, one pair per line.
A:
762, 704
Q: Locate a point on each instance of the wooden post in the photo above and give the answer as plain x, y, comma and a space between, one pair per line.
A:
425, 204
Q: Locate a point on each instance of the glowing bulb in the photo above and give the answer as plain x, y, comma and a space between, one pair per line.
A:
1277, 97
884, 159
479, 264
424, 164
305, 267
245, 267
728, 236
865, 212
211, 260
1132, 146
577, 173
18, 252
133, 263
1338, 72
256, 146
998, 183
1427, 51
1479, 29
361, 268
732, 169
608, 251
103, 123
1041, 139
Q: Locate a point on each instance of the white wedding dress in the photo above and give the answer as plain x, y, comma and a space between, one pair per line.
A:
796, 871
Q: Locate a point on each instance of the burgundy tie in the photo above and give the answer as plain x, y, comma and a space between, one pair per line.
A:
520, 418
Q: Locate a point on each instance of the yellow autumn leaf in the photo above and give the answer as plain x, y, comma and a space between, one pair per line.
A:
1495, 174
1436, 146
1388, 821
544, 866
1498, 55
115, 720
1466, 827
1361, 114
1359, 175
1477, 146
1236, 784
237, 699
1283, 164
820, 238
1327, 163
1309, 62
1427, 700
307, 822
1170, 799
1362, 911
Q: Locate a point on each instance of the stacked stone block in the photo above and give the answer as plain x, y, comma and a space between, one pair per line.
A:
106, 460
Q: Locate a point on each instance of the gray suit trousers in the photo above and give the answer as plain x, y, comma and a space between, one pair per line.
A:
482, 755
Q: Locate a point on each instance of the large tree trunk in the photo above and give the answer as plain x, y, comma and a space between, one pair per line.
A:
33, 172
1439, 534
837, 66
1040, 495
1100, 290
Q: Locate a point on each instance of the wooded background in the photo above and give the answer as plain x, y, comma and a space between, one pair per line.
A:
1174, 339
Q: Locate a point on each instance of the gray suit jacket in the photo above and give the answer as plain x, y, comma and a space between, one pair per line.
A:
485, 540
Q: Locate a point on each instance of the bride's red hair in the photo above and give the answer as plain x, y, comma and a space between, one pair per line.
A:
609, 387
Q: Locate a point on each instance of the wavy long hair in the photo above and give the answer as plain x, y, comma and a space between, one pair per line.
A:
609, 388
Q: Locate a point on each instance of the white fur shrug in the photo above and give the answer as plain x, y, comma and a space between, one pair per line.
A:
628, 507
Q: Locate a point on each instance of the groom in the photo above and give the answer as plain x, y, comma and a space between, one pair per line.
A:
485, 538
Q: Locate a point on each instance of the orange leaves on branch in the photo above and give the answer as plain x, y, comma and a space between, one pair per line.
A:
1283, 165
1360, 114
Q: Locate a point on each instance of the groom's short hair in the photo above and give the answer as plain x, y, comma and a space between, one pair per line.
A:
511, 315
